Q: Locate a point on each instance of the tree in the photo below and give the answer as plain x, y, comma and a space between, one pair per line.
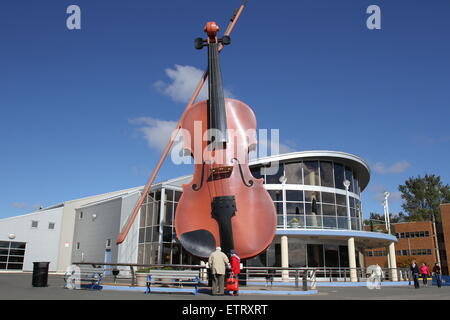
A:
422, 197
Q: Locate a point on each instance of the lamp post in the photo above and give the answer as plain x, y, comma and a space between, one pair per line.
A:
349, 221
283, 180
386, 212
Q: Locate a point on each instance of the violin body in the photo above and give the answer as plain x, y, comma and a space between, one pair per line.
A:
221, 174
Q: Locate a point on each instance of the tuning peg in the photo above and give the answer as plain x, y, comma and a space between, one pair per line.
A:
199, 43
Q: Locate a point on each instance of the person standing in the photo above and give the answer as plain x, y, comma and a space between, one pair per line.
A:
235, 269
425, 272
218, 262
438, 274
415, 273
378, 275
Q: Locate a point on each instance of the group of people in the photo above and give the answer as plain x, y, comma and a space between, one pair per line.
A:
218, 264
425, 273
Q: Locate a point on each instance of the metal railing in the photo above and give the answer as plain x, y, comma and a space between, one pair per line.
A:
294, 276
299, 221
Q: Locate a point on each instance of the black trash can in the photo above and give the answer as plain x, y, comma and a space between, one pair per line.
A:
40, 274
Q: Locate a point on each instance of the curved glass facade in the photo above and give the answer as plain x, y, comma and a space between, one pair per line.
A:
313, 195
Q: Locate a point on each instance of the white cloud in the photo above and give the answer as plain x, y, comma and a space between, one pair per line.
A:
156, 132
183, 82
397, 167
378, 194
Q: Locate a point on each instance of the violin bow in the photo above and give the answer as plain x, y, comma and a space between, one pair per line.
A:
123, 234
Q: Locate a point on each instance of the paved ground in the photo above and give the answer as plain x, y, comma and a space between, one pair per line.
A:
18, 286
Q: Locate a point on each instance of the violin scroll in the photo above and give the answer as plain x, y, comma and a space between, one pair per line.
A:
211, 29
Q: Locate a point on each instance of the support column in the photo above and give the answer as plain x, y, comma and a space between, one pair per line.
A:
392, 262
352, 259
284, 258
361, 259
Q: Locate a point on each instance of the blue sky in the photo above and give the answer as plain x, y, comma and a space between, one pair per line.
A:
78, 106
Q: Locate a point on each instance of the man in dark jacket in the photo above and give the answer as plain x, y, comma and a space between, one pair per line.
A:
415, 274
438, 274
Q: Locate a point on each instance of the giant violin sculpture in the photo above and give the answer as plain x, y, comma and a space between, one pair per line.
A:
224, 205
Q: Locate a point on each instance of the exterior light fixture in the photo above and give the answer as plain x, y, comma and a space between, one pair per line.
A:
11, 236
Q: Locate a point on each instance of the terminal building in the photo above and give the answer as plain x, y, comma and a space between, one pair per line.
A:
317, 196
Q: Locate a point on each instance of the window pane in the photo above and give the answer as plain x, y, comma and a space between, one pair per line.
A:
343, 256
149, 215
141, 235
341, 199
272, 175
311, 171
16, 252
167, 234
349, 177
143, 215
315, 255
293, 173
312, 195
294, 208
4, 244
339, 176
18, 245
294, 195
15, 259
329, 222
276, 195
326, 174
168, 215
341, 211
297, 253
331, 256
329, 210
177, 196
328, 197
15, 266
155, 235
3, 258
169, 195
148, 234
4, 252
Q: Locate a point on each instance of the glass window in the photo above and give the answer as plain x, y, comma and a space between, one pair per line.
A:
293, 173
315, 255
177, 196
427, 233
341, 211
168, 215
329, 222
149, 220
4, 252
167, 234
155, 235
311, 172
273, 174
297, 253
141, 235
158, 195
51, 225
169, 195
78, 246
4, 244
294, 195
143, 215
355, 183
15, 266
312, 195
328, 197
4, 258
276, 195
148, 234
343, 256
331, 256
326, 174
339, 176
349, 177
341, 199
176, 250
15, 259
81, 215
329, 209
34, 224
18, 245
17, 252
312, 208
294, 208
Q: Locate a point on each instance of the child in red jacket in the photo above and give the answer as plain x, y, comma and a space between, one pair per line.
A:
235, 262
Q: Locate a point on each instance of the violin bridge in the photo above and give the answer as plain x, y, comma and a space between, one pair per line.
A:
220, 173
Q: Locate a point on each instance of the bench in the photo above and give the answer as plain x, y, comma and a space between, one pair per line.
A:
84, 279
173, 277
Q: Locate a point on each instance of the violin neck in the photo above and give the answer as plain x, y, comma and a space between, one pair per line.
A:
217, 119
